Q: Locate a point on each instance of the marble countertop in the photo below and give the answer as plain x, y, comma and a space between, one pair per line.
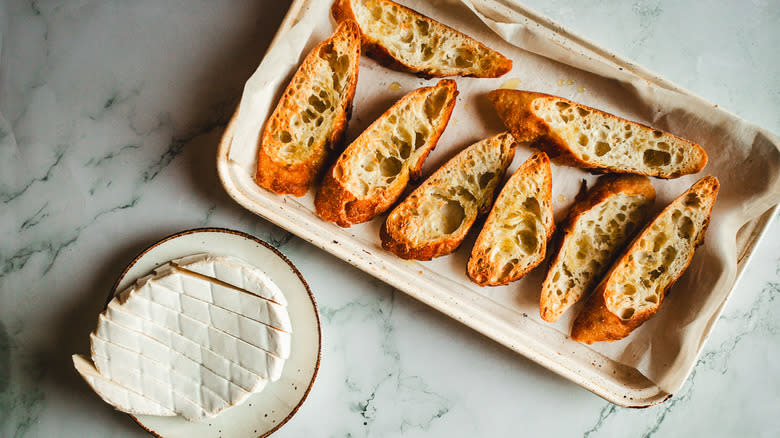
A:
110, 114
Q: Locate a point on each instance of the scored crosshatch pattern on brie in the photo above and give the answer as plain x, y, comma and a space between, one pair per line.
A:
232, 349
176, 288
166, 381
183, 342
235, 272
117, 394
223, 377
201, 317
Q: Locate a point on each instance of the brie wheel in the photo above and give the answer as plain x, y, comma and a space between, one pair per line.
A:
197, 336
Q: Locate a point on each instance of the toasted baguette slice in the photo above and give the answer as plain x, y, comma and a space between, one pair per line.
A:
373, 170
514, 238
311, 116
434, 219
595, 231
581, 136
635, 286
403, 39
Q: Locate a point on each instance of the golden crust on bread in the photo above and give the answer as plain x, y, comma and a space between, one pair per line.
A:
434, 219
635, 286
403, 39
594, 232
373, 171
514, 238
311, 116
581, 136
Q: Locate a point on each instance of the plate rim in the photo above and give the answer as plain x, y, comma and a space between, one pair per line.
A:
279, 254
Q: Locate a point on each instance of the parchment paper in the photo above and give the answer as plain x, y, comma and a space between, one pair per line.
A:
744, 157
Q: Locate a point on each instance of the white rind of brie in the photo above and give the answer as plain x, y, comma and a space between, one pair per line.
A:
217, 350
189, 342
194, 318
116, 394
196, 287
234, 272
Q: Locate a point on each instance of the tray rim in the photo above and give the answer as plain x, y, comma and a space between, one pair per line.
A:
757, 227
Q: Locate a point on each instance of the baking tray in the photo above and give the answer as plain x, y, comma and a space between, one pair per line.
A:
615, 382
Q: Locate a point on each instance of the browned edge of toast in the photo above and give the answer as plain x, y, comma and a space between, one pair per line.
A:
342, 10
295, 179
400, 246
514, 109
595, 323
476, 271
335, 203
605, 187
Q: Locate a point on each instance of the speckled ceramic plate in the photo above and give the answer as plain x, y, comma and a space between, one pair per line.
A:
263, 413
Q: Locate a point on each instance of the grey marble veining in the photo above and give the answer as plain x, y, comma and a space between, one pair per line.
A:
110, 113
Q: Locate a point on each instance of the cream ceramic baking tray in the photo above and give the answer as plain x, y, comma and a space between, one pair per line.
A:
505, 314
